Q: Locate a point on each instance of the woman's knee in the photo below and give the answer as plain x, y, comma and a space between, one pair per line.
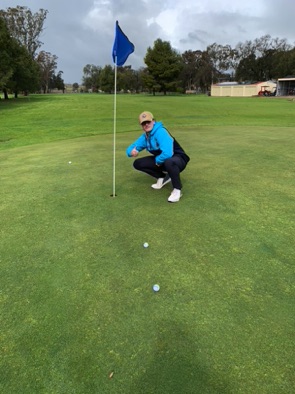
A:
141, 163
175, 162
137, 164
169, 163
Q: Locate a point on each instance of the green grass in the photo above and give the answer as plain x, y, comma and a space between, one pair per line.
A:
76, 299
40, 118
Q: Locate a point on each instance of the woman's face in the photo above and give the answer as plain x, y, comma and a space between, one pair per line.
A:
147, 125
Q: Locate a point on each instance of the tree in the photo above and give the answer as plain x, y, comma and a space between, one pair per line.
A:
222, 57
246, 69
127, 79
107, 78
139, 84
18, 71
189, 71
25, 77
265, 65
257, 60
47, 65
265, 49
56, 82
75, 87
97, 78
266, 43
284, 63
25, 26
6, 59
164, 65
91, 77
205, 71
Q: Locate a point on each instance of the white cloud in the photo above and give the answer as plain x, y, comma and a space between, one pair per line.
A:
99, 15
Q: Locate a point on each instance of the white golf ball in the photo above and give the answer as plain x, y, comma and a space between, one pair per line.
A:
146, 245
156, 287
70, 162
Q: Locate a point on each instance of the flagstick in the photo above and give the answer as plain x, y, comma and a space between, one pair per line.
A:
114, 143
122, 48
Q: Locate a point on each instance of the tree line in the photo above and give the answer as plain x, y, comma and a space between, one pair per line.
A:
262, 59
23, 69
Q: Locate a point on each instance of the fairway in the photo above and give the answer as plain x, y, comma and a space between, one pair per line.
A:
78, 312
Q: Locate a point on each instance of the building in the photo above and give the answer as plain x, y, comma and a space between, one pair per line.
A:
286, 86
234, 89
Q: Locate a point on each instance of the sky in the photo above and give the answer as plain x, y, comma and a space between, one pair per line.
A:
81, 32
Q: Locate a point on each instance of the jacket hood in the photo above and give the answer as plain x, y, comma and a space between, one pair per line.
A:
157, 125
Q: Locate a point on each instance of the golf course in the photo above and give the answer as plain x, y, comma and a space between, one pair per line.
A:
78, 313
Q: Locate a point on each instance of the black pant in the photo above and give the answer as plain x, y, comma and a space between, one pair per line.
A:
174, 166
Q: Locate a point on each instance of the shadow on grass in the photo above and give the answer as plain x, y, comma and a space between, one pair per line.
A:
179, 365
12, 102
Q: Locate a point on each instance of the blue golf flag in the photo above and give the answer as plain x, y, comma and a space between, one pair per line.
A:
122, 47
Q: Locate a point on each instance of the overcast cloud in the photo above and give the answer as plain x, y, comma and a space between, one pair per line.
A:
81, 32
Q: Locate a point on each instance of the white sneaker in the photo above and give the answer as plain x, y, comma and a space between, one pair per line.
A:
161, 182
175, 195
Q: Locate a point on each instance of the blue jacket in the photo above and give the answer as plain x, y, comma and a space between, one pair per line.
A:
158, 142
